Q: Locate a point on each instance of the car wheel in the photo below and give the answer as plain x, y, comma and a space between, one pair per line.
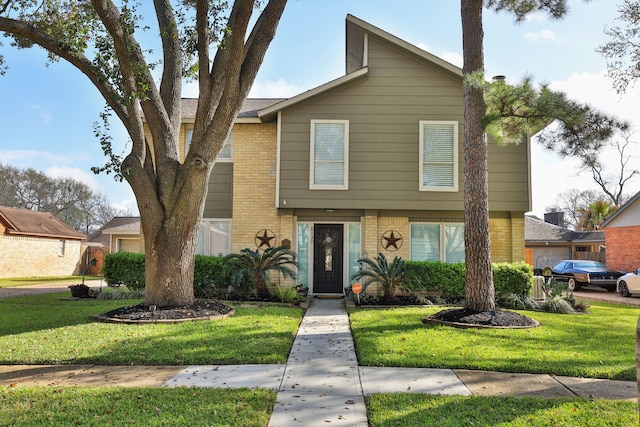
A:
572, 285
624, 289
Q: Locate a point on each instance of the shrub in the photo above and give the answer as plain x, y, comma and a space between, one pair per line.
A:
124, 268
390, 276
209, 277
287, 295
512, 278
445, 278
448, 279
254, 267
558, 305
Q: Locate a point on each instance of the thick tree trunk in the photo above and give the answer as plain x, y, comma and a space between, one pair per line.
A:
479, 280
169, 265
171, 234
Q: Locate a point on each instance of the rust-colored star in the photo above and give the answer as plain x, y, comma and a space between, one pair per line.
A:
265, 238
391, 240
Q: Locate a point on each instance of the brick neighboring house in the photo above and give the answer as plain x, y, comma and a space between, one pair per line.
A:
622, 236
37, 244
547, 243
369, 162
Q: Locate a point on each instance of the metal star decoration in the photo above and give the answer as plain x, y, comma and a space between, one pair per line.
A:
391, 240
264, 238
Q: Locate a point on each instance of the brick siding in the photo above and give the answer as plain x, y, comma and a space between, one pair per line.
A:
623, 247
24, 256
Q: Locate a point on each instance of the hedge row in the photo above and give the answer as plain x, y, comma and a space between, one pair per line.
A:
127, 268
210, 280
448, 279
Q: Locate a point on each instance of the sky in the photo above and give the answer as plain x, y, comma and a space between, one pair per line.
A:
47, 112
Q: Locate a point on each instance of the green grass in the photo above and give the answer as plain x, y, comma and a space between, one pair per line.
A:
407, 410
600, 344
24, 281
46, 329
101, 406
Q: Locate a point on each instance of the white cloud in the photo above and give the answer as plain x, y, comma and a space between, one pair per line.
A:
274, 89
543, 36
74, 173
127, 204
453, 57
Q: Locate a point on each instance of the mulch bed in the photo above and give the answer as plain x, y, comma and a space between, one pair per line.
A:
464, 317
201, 309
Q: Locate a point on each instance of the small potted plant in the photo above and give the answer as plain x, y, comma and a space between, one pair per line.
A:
79, 291
302, 290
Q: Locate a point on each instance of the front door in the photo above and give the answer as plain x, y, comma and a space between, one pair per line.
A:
327, 258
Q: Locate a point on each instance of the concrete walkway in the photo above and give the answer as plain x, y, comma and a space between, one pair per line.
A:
321, 383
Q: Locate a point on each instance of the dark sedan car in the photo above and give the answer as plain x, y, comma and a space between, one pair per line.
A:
577, 273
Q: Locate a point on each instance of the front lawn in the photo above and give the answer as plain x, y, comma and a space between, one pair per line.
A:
124, 406
600, 344
404, 410
46, 329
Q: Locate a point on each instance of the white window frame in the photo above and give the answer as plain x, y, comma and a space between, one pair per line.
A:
188, 134
206, 223
62, 245
442, 237
345, 159
454, 186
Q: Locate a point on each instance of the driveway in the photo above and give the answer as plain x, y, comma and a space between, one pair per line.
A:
600, 294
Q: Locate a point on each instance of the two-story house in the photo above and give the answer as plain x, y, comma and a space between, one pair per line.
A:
370, 162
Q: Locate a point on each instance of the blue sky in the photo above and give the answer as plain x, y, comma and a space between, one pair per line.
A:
46, 113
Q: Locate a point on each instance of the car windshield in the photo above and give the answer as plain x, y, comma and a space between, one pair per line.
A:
588, 264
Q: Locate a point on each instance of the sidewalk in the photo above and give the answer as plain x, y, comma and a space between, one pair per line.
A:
321, 382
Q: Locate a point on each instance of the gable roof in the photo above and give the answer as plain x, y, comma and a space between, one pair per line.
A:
25, 222
356, 63
621, 212
122, 225
537, 230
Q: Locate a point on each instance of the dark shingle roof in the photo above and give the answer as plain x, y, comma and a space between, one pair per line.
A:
249, 109
32, 223
536, 230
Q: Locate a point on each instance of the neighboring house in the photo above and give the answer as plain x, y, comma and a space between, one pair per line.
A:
622, 235
370, 162
122, 234
37, 244
547, 243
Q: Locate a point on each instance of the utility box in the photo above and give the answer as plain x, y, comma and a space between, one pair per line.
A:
538, 288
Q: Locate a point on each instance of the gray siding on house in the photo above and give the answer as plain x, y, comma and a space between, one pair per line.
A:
384, 111
220, 195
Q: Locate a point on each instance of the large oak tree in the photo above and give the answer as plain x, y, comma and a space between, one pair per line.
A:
208, 39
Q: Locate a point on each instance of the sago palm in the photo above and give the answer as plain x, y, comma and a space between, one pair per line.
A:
255, 266
390, 277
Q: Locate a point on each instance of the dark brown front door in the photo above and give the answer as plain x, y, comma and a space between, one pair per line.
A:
327, 258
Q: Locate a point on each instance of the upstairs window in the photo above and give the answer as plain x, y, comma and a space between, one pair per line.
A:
439, 156
225, 154
329, 155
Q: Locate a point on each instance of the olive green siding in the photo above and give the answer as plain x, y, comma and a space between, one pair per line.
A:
384, 110
219, 200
